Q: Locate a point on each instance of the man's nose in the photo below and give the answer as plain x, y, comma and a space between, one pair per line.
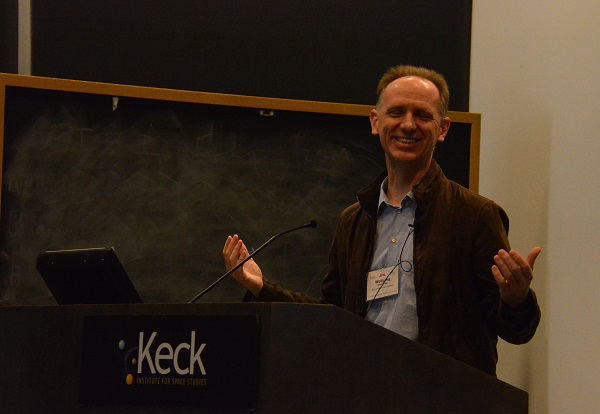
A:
408, 122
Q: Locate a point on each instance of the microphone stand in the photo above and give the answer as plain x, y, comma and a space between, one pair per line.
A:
311, 224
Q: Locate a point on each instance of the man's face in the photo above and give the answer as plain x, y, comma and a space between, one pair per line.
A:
408, 122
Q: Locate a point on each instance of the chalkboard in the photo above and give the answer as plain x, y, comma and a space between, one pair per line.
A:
323, 50
164, 177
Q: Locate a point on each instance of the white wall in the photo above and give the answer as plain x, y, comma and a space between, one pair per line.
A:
535, 77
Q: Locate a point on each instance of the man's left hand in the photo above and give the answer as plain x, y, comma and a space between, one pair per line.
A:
514, 274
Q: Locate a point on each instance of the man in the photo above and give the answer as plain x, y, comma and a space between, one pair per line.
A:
418, 253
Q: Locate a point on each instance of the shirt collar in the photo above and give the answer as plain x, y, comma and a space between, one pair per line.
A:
384, 202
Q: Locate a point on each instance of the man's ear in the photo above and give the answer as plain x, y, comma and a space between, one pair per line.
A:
444, 127
374, 118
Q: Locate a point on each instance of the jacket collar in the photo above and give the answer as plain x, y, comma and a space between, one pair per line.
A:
369, 196
429, 181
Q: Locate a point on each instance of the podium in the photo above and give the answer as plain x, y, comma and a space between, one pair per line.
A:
309, 359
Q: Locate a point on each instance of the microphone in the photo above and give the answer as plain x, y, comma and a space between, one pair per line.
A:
310, 224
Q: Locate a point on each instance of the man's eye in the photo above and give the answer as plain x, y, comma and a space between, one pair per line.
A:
396, 114
424, 116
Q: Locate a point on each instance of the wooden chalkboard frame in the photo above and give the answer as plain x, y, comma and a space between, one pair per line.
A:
25, 287
98, 88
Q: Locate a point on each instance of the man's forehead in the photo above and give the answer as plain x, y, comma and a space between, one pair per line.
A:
412, 81
413, 88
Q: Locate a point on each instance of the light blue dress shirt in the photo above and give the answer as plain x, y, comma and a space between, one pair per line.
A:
394, 246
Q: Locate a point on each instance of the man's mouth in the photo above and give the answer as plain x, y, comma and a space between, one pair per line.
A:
406, 140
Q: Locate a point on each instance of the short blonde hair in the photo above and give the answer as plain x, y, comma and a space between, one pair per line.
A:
434, 77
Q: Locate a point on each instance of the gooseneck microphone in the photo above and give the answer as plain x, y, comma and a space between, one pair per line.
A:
310, 224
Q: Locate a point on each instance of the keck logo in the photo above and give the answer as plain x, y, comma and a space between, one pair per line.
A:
170, 360
150, 361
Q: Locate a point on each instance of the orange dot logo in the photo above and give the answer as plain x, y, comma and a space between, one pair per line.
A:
129, 379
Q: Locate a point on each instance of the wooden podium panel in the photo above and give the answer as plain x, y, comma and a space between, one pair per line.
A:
312, 359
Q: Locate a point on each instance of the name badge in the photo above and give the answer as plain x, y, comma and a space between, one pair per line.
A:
382, 283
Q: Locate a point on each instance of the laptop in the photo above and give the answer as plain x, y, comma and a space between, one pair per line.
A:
86, 276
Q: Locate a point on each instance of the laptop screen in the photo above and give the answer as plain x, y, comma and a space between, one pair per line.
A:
86, 276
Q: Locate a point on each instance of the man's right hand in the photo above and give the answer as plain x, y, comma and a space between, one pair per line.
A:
249, 275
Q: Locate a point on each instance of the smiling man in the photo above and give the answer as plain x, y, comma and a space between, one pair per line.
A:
409, 120
418, 253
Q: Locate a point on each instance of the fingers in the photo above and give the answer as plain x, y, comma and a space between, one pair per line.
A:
505, 264
513, 267
497, 275
234, 251
533, 254
230, 245
227, 245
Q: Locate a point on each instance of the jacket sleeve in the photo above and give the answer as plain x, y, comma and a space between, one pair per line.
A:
516, 326
273, 292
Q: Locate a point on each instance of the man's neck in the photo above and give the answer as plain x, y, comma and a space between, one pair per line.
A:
402, 179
